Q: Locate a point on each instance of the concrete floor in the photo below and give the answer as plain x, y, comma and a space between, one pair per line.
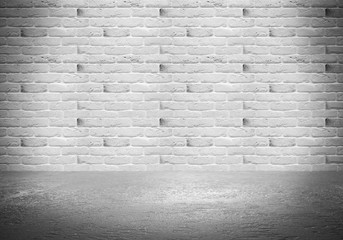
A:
174, 205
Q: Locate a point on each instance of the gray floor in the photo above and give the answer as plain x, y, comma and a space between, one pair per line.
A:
175, 205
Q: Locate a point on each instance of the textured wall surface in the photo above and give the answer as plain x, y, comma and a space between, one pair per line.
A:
171, 85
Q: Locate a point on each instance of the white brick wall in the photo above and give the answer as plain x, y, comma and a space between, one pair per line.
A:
171, 85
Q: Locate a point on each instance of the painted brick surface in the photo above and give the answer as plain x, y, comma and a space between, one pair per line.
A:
171, 85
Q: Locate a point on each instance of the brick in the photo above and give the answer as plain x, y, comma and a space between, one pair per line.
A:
334, 159
250, 122
333, 142
65, 160
199, 32
201, 160
173, 160
116, 88
35, 160
33, 142
268, 12
103, 12
75, 150
183, 151
311, 106
283, 160
199, 142
33, 32
256, 160
10, 32
311, 12
201, 83
157, 151
154, 23
34, 106
185, 132
229, 160
33, 88
10, 142
333, 68
173, 142
227, 142
145, 12
282, 142
309, 142
146, 160
333, 13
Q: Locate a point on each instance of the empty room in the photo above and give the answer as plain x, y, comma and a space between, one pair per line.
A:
171, 119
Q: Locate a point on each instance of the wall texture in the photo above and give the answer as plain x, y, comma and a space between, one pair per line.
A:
171, 85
